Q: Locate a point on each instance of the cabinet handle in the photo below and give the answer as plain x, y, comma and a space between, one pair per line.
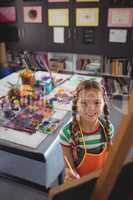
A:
74, 33
69, 33
21, 32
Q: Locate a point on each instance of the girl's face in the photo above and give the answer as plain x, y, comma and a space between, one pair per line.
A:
90, 105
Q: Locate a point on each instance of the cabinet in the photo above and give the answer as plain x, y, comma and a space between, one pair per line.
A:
82, 39
77, 39
91, 39
67, 44
27, 36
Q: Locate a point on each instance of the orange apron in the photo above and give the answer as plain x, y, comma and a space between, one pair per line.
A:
92, 162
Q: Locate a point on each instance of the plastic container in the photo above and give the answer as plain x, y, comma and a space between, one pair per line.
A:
48, 85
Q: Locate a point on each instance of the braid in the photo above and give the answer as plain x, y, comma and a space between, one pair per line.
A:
87, 85
107, 119
74, 128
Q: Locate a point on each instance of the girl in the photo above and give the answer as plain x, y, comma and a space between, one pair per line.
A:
85, 139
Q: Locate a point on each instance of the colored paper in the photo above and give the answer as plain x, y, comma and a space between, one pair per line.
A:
7, 15
54, 1
58, 34
32, 14
120, 17
53, 123
87, 0
25, 121
118, 35
58, 17
87, 16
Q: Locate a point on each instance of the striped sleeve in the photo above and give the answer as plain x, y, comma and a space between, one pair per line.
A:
65, 136
111, 131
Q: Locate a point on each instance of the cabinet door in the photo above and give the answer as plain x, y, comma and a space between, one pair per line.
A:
66, 46
79, 39
88, 28
60, 17
34, 37
85, 40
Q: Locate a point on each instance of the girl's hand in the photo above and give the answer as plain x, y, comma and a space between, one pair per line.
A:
70, 175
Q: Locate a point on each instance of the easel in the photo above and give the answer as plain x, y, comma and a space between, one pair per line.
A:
108, 176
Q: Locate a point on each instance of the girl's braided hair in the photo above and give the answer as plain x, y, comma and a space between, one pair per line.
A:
87, 85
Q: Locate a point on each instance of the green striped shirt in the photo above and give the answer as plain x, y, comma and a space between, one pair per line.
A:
92, 140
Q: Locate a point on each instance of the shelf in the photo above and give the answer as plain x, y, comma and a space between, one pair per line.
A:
83, 72
114, 76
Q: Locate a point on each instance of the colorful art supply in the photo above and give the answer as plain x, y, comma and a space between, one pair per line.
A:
53, 122
50, 126
26, 120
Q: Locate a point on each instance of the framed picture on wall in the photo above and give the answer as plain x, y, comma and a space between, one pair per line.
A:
120, 17
87, 0
58, 17
57, 1
31, 0
32, 14
7, 15
87, 16
118, 35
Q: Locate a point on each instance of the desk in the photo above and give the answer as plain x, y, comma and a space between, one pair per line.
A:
41, 165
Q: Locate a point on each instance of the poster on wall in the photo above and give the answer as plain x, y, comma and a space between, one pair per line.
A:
57, 1
87, 0
87, 16
58, 17
7, 15
118, 35
32, 14
31, 0
58, 34
120, 17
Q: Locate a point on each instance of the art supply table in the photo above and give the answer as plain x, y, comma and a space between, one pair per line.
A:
36, 158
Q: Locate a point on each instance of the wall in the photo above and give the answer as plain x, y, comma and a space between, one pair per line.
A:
38, 37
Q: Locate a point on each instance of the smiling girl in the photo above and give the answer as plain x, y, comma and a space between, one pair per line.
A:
85, 140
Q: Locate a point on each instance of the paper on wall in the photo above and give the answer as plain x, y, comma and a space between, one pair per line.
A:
118, 35
58, 34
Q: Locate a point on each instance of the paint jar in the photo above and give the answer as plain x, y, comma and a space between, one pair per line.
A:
27, 77
48, 85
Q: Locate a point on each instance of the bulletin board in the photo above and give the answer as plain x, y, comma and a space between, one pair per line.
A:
120, 17
58, 17
32, 14
87, 16
87, 0
56, 1
7, 15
